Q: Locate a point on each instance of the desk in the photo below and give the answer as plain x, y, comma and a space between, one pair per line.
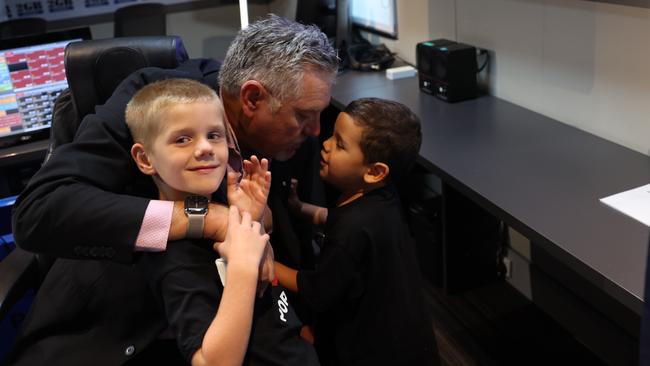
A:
30, 152
18, 164
541, 177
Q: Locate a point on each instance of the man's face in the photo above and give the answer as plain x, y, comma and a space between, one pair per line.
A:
279, 135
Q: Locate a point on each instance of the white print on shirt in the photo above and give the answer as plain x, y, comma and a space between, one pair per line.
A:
283, 306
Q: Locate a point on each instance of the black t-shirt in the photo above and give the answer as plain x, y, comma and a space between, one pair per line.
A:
188, 289
366, 289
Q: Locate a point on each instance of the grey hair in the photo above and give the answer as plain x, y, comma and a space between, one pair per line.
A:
276, 52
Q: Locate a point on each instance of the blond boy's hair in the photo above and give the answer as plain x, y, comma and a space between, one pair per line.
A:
144, 111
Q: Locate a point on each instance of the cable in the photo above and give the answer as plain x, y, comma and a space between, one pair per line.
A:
403, 60
368, 57
502, 250
487, 59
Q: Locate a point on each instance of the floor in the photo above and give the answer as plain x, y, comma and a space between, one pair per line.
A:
495, 325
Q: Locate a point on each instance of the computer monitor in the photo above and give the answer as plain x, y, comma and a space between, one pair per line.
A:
32, 75
375, 16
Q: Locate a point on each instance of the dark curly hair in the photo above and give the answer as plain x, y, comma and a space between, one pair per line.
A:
391, 133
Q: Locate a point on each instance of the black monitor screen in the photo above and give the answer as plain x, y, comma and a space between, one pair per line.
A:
377, 16
32, 75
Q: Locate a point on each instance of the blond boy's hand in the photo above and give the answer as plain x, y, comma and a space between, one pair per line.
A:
251, 193
244, 246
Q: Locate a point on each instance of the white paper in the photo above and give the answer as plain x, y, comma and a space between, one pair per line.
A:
634, 203
221, 269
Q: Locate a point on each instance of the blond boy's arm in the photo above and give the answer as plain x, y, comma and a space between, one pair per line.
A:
226, 340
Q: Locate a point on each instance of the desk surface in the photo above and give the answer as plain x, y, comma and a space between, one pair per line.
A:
30, 152
542, 177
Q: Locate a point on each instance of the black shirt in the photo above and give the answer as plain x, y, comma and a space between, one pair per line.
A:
366, 290
188, 290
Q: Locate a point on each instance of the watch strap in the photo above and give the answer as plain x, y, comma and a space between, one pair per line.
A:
195, 224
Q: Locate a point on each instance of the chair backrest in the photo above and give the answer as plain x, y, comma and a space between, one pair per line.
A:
22, 27
148, 19
95, 68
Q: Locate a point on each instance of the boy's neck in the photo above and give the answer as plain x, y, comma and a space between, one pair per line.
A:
166, 193
353, 195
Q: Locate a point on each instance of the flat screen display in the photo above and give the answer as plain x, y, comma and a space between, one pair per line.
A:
32, 75
376, 16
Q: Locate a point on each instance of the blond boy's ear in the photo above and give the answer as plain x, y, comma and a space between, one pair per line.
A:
251, 94
376, 173
142, 159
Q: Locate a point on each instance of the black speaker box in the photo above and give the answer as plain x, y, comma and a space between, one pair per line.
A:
447, 69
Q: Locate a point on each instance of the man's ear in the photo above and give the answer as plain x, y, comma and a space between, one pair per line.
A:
142, 159
376, 173
251, 94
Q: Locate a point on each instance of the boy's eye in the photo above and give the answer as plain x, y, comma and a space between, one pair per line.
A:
214, 136
182, 140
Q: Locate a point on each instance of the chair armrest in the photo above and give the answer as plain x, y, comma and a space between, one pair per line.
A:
18, 272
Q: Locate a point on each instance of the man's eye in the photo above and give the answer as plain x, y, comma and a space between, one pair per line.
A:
301, 117
339, 145
182, 140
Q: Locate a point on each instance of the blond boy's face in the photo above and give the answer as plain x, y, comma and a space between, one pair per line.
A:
190, 155
341, 161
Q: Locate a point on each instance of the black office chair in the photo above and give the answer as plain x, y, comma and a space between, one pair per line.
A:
22, 27
148, 19
93, 69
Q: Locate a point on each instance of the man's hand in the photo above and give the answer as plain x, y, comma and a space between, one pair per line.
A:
295, 205
251, 193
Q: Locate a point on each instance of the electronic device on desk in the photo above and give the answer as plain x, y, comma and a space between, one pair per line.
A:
447, 69
376, 17
369, 57
32, 75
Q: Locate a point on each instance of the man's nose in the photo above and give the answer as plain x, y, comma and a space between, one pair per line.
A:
312, 127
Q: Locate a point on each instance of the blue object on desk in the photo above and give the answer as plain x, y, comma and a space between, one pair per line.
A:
6, 245
6, 238
11, 323
5, 214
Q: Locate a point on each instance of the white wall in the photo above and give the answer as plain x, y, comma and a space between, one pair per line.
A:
584, 63
412, 27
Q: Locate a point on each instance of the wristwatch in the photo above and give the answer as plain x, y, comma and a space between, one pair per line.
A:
196, 207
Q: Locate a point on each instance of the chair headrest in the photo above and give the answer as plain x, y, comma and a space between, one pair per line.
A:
95, 68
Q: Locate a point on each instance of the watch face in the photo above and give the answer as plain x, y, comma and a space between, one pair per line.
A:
196, 205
